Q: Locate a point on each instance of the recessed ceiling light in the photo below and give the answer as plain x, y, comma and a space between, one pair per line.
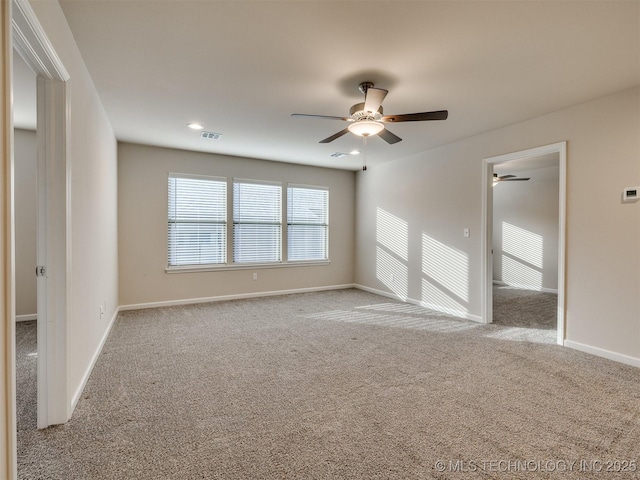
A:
355, 152
195, 126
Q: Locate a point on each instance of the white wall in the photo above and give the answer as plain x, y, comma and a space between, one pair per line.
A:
25, 208
525, 222
93, 246
411, 215
142, 218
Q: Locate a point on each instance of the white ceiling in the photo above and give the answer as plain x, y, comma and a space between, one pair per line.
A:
531, 167
242, 67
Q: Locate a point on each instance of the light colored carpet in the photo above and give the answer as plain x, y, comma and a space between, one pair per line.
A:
337, 385
524, 308
26, 369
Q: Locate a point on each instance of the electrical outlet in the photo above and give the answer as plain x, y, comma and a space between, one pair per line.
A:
255, 275
101, 311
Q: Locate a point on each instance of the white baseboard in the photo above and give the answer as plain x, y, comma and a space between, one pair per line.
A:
524, 287
601, 352
437, 308
240, 296
94, 359
26, 318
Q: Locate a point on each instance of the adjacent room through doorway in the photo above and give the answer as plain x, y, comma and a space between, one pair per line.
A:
26, 232
525, 243
524, 233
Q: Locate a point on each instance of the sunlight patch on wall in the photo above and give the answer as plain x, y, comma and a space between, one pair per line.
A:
392, 272
522, 258
447, 266
392, 233
436, 299
520, 275
522, 244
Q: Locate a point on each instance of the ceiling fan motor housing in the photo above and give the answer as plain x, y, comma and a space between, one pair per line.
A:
357, 112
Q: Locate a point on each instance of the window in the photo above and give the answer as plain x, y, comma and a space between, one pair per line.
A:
199, 223
197, 227
257, 222
307, 223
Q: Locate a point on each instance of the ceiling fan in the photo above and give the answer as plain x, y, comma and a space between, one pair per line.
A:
367, 119
508, 178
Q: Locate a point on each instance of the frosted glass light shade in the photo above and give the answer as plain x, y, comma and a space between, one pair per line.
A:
365, 128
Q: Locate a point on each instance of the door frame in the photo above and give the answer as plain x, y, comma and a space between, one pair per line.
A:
53, 173
487, 228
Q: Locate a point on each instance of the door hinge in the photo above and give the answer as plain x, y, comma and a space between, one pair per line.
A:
41, 271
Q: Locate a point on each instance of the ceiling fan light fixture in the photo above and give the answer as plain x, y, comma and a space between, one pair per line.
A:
365, 128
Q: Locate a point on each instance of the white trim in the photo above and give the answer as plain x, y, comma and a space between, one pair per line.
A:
194, 176
310, 187
430, 306
85, 378
244, 266
487, 228
54, 212
26, 318
486, 244
8, 437
33, 44
524, 287
239, 296
601, 352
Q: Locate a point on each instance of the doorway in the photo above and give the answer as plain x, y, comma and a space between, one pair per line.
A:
53, 228
26, 221
524, 242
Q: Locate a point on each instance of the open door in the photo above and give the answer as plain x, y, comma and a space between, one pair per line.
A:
53, 227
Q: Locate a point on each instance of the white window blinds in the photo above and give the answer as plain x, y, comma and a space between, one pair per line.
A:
197, 227
257, 222
307, 223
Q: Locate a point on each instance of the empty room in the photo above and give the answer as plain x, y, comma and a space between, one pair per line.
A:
256, 239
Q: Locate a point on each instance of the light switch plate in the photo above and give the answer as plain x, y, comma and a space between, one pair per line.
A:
631, 194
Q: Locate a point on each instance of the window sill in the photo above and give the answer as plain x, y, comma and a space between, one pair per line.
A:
244, 266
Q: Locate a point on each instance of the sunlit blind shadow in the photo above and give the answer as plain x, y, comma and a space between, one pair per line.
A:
425, 322
519, 334
392, 233
392, 272
446, 286
522, 258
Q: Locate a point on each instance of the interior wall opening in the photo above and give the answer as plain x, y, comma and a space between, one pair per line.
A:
525, 244
26, 231
521, 256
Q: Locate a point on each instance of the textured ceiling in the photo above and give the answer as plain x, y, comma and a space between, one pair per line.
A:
242, 67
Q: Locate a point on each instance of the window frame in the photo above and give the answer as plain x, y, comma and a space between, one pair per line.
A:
230, 264
327, 224
173, 175
278, 224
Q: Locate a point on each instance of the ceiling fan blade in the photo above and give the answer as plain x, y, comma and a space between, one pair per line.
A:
324, 117
502, 177
373, 99
416, 117
515, 179
389, 137
335, 136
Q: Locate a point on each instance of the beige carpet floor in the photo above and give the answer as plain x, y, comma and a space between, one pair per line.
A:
339, 385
